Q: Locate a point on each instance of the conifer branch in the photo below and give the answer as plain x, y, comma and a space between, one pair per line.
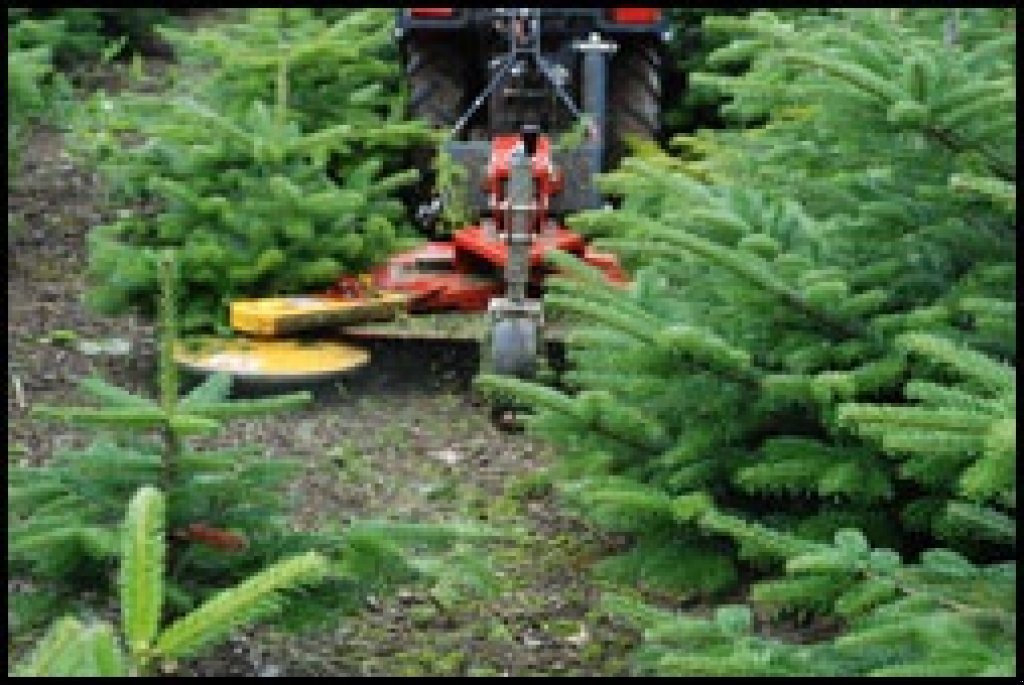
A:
215, 388
552, 400
112, 395
87, 416
228, 609
971, 365
249, 407
749, 267
167, 370
71, 649
142, 570
1000, 167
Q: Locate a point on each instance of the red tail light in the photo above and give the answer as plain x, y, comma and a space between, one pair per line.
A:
432, 12
635, 15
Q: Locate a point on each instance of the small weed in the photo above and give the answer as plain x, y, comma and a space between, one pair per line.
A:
445, 490
482, 672
347, 457
498, 631
396, 436
531, 486
562, 628
63, 336
450, 663
423, 614
448, 401
503, 507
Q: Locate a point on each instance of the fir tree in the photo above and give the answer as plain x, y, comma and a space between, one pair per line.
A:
225, 509
274, 168
820, 334
63, 516
337, 69
77, 35
34, 88
941, 617
74, 649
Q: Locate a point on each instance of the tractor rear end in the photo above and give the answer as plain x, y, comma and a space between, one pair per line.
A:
503, 83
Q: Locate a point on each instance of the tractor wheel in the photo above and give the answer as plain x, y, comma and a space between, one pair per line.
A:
437, 81
634, 103
436, 77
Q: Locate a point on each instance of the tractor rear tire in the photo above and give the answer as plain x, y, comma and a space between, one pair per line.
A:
437, 81
437, 91
634, 103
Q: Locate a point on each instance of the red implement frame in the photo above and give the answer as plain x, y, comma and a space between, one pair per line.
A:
467, 272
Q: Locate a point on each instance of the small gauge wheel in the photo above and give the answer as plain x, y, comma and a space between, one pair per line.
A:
514, 347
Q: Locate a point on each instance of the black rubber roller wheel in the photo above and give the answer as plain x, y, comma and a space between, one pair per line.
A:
437, 82
634, 95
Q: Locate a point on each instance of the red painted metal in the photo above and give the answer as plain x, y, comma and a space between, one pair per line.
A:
547, 179
475, 241
635, 15
465, 273
432, 12
608, 264
428, 275
346, 288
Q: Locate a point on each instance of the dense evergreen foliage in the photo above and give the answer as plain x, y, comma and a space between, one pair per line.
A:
48, 47
820, 340
226, 509
64, 515
75, 649
274, 164
686, 108
76, 35
34, 87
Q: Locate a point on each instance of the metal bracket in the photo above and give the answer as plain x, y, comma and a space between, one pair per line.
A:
501, 308
595, 86
527, 45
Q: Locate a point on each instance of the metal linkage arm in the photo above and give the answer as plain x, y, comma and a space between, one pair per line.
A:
506, 65
524, 39
521, 208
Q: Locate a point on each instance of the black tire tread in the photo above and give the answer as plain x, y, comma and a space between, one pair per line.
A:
634, 102
436, 78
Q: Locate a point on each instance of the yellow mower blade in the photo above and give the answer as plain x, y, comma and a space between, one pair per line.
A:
278, 315
272, 361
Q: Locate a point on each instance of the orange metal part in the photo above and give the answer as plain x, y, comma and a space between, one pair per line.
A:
432, 12
475, 241
467, 272
635, 15
213, 537
429, 277
547, 179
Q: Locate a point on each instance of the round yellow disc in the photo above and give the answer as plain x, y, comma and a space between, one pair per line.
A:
269, 360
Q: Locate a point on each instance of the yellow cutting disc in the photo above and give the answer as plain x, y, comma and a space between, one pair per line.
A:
274, 361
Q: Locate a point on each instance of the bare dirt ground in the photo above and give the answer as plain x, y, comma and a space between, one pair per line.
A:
403, 438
